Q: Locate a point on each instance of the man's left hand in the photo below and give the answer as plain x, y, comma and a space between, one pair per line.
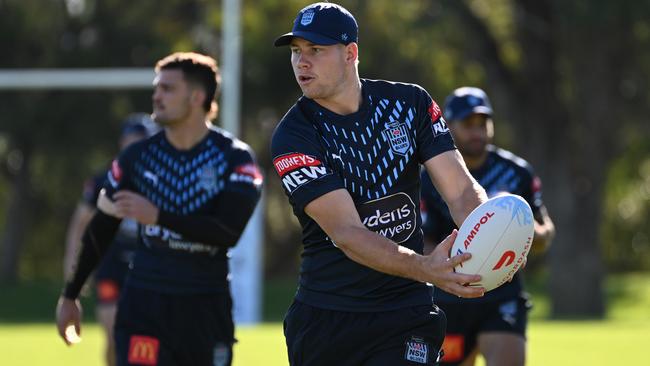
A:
135, 206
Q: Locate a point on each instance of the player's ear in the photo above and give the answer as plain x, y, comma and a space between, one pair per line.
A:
351, 52
197, 97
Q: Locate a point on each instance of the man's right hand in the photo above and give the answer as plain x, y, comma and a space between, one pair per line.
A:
68, 313
440, 270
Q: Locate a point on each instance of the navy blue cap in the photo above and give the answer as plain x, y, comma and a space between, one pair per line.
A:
322, 24
138, 123
465, 101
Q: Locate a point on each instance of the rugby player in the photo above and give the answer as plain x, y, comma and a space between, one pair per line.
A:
348, 154
494, 325
192, 189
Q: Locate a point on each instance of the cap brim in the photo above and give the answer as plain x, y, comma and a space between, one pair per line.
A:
480, 109
314, 38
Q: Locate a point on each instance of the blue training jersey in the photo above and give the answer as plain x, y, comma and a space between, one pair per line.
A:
183, 182
502, 172
375, 154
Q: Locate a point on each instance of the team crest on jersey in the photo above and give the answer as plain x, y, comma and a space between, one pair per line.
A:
208, 178
417, 351
398, 137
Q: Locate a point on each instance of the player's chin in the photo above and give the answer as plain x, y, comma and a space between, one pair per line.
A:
311, 92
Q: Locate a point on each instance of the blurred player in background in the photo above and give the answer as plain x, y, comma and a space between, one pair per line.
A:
349, 154
109, 276
192, 189
494, 325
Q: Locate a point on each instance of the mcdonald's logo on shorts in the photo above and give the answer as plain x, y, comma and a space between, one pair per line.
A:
143, 350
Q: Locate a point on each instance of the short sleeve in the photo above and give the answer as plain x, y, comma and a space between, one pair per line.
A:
433, 135
534, 194
302, 165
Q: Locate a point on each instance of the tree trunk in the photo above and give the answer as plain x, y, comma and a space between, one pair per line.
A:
15, 225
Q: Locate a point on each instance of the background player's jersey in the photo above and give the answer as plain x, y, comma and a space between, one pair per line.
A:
502, 172
188, 182
120, 254
374, 154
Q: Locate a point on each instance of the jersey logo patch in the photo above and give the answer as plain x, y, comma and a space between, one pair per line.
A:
292, 161
434, 111
417, 351
221, 354
393, 217
248, 173
143, 350
208, 178
440, 127
115, 174
296, 170
398, 138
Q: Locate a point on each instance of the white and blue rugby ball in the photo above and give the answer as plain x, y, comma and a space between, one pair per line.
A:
499, 234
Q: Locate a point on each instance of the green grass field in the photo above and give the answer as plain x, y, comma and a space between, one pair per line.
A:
622, 339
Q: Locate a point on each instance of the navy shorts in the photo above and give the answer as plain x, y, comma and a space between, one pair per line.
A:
465, 320
409, 336
110, 275
162, 329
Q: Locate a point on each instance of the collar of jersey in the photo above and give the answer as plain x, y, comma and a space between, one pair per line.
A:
343, 119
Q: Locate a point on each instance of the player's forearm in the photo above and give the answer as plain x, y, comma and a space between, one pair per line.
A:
95, 242
472, 196
79, 221
222, 229
375, 251
544, 234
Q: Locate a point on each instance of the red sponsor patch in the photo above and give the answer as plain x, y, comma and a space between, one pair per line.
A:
116, 171
143, 350
250, 170
454, 348
536, 184
107, 291
289, 162
434, 111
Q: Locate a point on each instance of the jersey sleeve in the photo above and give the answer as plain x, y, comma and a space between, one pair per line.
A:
244, 176
534, 195
301, 163
433, 135
530, 186
91, 189
120, 173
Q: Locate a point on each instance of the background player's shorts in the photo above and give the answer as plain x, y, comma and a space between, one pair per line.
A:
110, 276
161, 329
320, 337
467, 319
107, 290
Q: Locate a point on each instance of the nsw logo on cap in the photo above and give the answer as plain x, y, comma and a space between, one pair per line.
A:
307, 17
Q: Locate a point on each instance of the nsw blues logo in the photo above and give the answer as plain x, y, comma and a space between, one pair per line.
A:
417, 351
208, 178
397, 136
307, 17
